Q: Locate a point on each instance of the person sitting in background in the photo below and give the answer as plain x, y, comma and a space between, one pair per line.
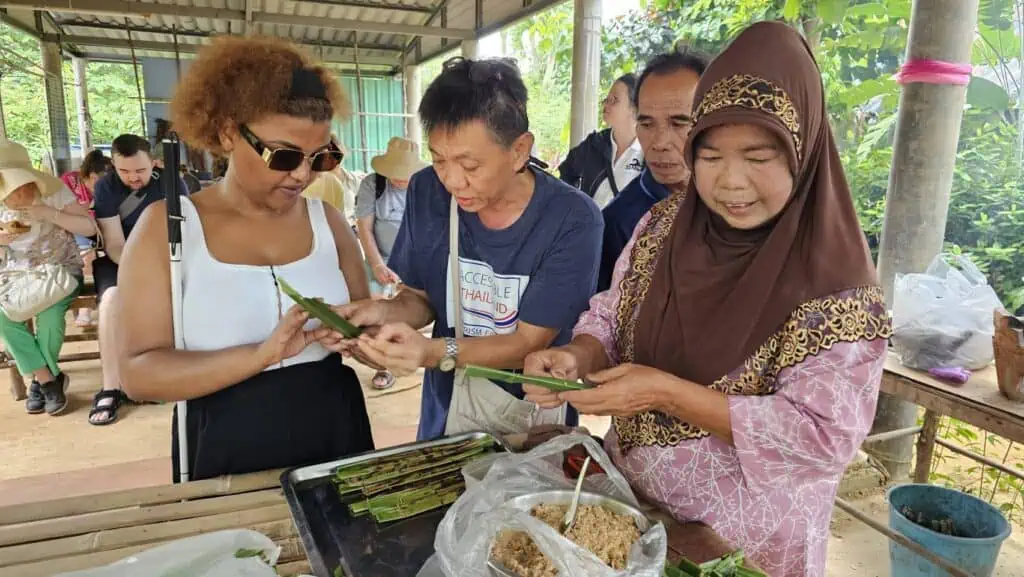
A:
40, 217
262, 393
328, 186
121, 197
664, 102
380, 205
81, 182
191, 180
606, 161
521, 271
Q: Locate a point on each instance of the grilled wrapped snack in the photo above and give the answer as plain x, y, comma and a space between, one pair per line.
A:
15, 227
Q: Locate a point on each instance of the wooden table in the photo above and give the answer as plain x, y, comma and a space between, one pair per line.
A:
71, 534
977, 402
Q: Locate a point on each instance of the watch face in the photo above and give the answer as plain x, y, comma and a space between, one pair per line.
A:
447, 364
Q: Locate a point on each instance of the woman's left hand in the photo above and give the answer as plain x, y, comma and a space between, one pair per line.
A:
397, 347
621, 391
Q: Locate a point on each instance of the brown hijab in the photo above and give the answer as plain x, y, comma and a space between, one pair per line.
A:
717, 293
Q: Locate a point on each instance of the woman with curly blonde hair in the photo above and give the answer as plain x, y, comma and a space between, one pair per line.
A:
262, 392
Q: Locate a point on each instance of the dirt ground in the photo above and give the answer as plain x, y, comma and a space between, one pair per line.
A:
39, 447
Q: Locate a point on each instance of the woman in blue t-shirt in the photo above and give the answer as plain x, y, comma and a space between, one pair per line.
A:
527, 257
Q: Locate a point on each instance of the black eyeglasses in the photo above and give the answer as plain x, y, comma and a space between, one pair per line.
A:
288, 159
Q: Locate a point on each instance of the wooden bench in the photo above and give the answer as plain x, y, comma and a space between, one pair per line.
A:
86, 300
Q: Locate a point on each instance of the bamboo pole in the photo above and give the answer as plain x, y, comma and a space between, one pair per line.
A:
120, 518
902, 540
226, 485
149, 535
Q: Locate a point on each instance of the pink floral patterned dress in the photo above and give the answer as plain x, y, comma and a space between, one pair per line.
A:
800, 407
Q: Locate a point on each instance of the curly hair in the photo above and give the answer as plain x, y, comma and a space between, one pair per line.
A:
237, 80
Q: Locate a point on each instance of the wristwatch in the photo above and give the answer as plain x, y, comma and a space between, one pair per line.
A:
451, 355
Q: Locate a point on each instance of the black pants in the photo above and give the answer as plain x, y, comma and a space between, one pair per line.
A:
299, 415
104, 275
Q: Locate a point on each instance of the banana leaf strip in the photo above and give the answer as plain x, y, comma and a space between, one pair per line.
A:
320, 311
549, 383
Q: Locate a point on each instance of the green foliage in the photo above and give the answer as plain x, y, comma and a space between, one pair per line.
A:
113, 103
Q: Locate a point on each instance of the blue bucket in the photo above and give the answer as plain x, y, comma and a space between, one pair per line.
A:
980, 527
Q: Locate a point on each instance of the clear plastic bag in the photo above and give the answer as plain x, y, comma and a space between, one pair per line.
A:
464, 537
209, 555
943, 317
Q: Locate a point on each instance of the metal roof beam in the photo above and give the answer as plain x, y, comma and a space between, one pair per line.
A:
97, 42
361, 25
146, 9
203, 34
371, 4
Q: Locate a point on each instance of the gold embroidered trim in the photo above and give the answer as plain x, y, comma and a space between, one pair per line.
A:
814, 327
634, 286
755, 93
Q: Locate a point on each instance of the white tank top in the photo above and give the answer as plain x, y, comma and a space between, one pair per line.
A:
228, 305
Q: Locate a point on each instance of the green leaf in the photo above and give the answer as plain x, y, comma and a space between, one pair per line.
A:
832, 11
982, 93
791, 10
245, 553
869, 10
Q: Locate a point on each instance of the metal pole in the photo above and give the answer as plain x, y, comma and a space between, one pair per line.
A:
177, 55
920, 179
586, 69
360, 103
82, 96
413, 129
3, 124
138, 82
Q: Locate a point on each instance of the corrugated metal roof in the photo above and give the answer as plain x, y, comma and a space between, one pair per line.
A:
383, 30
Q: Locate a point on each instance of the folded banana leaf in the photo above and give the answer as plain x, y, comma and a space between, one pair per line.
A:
320, 311
549, 383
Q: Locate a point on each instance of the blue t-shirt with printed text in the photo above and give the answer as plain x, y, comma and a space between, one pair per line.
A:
541, 270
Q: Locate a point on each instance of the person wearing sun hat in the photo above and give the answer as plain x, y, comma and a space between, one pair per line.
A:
380, 205
39, 217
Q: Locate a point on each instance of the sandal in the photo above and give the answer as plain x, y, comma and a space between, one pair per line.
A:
382, 381
109, 407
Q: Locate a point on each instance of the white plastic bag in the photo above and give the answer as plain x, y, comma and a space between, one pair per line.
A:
943, 317
209, 555
463, 540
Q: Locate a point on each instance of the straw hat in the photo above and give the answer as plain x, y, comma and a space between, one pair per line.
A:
16, 170
401, 160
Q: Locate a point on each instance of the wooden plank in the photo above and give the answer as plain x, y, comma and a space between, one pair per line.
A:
966, 410
294, 568
119, 518
981, 389
66, 507
53, 566
150, 535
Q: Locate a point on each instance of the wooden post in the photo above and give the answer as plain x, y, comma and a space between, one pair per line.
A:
53, 79
586, 69
138, 81
81, 65
361, 103
926, 446
924, 155
3, 124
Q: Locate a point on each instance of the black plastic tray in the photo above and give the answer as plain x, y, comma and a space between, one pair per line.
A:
333, 538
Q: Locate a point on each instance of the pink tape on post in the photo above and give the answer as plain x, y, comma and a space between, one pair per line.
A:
934, 72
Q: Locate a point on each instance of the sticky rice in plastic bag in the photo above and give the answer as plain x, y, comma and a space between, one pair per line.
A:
465, 536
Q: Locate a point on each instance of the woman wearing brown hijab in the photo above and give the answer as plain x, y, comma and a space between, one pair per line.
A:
741, 346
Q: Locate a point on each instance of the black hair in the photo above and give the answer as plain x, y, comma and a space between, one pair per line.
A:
682, 57
489, 90
129, 145
629, 79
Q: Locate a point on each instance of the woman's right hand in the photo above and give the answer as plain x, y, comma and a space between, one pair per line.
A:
288, 339
559, 363
384, 275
